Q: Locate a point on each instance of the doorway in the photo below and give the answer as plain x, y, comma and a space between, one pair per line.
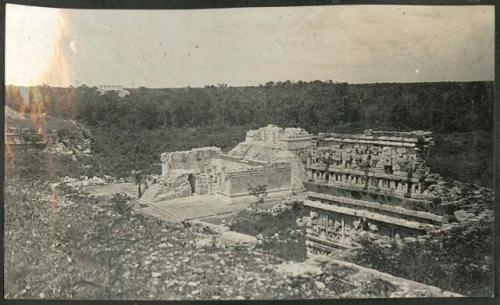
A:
192, 183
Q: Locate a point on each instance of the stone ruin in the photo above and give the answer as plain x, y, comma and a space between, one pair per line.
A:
208, 171
269, 156
274, 144
372, 182
276, 137
21, 140
355, 183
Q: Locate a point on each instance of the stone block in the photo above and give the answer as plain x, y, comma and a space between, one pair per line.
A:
463, 216
235, 238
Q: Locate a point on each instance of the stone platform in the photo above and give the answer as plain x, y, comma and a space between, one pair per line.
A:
206, 207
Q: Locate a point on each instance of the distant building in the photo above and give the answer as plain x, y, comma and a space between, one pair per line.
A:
118, 88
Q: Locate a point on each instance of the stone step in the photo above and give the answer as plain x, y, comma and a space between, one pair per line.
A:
150, 194
162, 214
395, 221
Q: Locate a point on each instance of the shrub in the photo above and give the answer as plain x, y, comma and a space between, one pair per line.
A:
289, 247
120, 204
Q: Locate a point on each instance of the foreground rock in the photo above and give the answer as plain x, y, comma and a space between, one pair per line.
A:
91, 251
364, 282
235, 238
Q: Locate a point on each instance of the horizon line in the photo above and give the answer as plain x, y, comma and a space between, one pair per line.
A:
255, 85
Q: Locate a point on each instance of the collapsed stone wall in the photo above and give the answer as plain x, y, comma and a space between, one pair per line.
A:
197, 158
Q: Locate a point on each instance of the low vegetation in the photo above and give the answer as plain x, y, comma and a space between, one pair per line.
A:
91, 248
458, 258
279, 235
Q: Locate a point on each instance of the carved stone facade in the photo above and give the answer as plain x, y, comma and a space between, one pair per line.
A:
367, 182
393, 163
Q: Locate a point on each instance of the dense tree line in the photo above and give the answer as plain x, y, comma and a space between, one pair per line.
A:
317, 106
131, 132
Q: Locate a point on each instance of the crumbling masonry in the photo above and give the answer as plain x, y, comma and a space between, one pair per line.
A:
269, 156
355, 183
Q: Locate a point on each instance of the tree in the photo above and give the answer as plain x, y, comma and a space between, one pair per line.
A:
399, 116
260, 192
139, 178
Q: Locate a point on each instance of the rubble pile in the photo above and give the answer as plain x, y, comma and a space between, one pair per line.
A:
84, 251
73, 139
463, 202
280, 208
83, 181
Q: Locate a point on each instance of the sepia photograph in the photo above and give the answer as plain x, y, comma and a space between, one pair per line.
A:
249, 153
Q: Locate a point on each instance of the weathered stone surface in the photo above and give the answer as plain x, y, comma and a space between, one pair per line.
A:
211, 172
308, 268
209, 227
370, 182
235, 238
288, 138
266, 155
175, 185
274, 144
207, 242
462, 215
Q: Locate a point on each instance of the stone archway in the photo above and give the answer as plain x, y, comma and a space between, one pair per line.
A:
192, 183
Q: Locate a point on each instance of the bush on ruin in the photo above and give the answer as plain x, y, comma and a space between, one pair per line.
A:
457, 259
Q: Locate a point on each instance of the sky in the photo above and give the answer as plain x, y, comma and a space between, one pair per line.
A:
248, 46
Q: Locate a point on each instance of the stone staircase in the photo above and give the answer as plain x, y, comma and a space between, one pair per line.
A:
149, 196
148, 199
162, 213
